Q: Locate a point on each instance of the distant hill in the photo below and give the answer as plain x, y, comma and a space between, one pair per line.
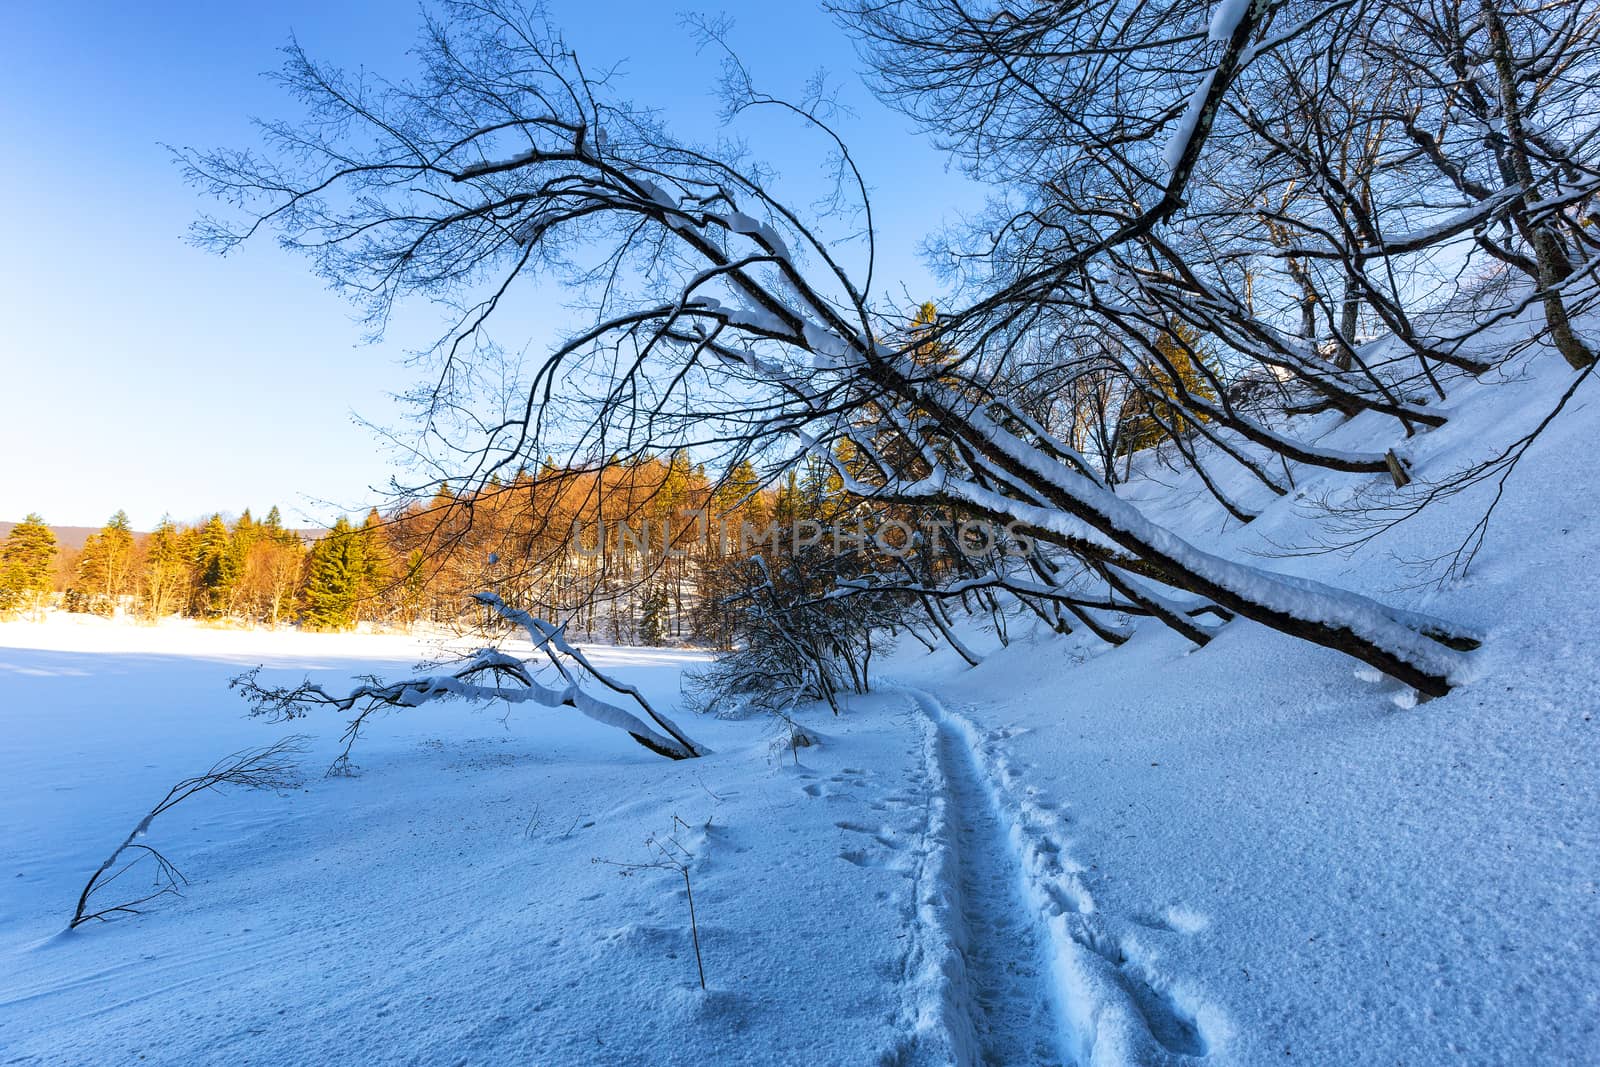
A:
71, 538
67, 537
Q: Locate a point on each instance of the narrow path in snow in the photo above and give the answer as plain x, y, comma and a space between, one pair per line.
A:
1008, 994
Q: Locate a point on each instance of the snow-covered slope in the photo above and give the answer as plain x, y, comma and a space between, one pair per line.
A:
1261, 850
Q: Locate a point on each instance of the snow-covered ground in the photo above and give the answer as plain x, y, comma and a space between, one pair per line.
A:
1249, 853
457, 901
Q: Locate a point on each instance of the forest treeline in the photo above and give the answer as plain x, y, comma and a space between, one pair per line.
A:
632, 551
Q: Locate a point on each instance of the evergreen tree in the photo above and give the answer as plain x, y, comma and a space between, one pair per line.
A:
336, 572
271, 528
653, 616
789, 506
25, 566
926, 351
242, 541
270, 558
215, 567
738, 492
821, 488
672, 495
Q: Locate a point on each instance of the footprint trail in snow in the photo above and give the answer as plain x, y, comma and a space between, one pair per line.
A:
1007, 988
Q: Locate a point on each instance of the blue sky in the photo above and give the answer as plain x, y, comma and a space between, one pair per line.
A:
140, 373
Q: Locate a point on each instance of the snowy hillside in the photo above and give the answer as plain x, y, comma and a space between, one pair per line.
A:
1260, 851
1255, 852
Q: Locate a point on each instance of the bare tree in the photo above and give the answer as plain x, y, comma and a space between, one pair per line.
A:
797, 642
272, 767
667, 853
1156, 188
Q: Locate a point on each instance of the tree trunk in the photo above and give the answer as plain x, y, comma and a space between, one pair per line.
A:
1554, 266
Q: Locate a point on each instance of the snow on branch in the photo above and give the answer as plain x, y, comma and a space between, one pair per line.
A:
487, 674
272, 767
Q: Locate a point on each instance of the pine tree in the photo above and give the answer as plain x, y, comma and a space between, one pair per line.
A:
336, 571
216, 569
672, 495
269, 564
242, 541
821, 488
653, 616
926, 351
739, 492
273, 529
789, 506
25, 566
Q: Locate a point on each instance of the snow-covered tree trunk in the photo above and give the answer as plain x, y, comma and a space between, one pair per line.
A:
487, 675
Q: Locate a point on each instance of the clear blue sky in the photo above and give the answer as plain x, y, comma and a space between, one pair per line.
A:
137, 372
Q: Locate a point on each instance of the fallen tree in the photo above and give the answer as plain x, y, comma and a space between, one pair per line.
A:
487, 674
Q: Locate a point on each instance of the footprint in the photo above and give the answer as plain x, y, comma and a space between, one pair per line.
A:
1067, 900
882, 835
1098, 943
1176, 919
812, 790
1185, 920
861, 858
1168, 1024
